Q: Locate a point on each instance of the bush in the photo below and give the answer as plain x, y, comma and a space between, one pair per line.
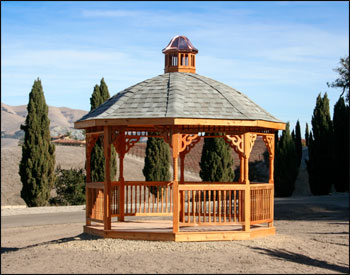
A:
70, 187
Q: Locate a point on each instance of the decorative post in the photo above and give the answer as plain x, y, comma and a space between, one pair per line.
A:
88, 179
182, 180
248, 142
107, 181
270, 144
90, 143
176, 200
121, 190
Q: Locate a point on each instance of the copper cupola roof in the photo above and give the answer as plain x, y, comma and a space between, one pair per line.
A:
180, 43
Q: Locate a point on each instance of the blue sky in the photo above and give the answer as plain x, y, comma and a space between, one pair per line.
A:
280, 54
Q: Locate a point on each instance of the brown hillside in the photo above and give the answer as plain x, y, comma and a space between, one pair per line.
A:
13, 116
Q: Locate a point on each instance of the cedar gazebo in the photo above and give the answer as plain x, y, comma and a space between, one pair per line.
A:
181, 107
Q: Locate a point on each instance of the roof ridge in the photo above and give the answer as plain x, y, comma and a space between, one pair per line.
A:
194, 76
167, 96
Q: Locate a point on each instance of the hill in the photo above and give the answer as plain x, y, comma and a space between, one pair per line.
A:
61, 120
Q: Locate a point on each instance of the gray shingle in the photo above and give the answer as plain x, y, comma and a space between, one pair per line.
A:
180, 95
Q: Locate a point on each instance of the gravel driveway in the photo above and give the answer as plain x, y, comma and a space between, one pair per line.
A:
312, 237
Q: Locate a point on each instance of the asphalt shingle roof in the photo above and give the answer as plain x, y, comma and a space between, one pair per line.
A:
180, 95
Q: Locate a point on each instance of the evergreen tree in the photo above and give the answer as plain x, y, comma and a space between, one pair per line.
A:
37, 165
293, 136
341, 145
320, 161
99, 96
216, 161
286, 168
307, 135
298, 145
156, 162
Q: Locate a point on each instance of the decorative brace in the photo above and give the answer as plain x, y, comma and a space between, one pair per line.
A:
91, 141
269, 141
188, 142
236, 143
252, 138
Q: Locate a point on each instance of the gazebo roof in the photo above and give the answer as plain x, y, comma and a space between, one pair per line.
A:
180, 95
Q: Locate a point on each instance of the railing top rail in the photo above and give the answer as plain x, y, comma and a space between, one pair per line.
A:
212, 187
148, 183
210, 182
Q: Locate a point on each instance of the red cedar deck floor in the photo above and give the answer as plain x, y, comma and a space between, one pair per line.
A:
162, 230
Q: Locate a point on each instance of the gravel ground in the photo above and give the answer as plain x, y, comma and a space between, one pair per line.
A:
312, 237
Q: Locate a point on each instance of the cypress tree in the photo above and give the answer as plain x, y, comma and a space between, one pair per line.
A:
156, 162
216, 161
307, 134
319, 165
293, 136
37, 165
341, 145
298, 145
286, 169
99, 96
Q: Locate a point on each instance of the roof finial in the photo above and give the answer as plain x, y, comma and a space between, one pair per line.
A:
180, 55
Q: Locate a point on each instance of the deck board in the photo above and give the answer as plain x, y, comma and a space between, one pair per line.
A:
162, 230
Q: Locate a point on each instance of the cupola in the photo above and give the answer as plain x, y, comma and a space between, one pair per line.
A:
180, 55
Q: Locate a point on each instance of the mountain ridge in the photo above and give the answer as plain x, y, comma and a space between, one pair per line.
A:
61, 120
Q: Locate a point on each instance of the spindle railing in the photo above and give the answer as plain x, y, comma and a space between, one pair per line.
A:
201, 203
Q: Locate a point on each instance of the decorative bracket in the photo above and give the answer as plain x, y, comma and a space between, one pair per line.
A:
269, 141
236, 143
117, 140
189, 142
90, 143
130, 142
186, 141
252, 138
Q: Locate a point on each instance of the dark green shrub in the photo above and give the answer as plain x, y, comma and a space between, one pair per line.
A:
70, 187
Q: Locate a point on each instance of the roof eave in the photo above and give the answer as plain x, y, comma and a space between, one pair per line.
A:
179, 121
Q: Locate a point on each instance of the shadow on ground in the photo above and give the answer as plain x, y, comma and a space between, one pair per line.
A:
300, 259
80, 237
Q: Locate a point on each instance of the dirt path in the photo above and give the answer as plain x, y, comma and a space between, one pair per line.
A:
312, 237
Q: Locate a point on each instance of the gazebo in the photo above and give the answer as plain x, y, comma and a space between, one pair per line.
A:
181, 107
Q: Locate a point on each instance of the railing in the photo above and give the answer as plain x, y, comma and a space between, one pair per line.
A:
201, 203
94, 205
208, 203
261, 203
148, 198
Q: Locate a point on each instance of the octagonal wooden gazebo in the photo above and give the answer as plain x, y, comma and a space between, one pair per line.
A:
181, 107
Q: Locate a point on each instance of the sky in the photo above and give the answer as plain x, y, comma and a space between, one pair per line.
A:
280, 54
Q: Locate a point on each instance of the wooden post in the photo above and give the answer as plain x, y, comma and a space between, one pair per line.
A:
271, 177
246, 148
121, 193
176, 199
107, 181
182, 180
241, 175
182, 167
271, 181
88, 179
270, 144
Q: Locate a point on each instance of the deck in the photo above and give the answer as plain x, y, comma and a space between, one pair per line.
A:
162, 230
